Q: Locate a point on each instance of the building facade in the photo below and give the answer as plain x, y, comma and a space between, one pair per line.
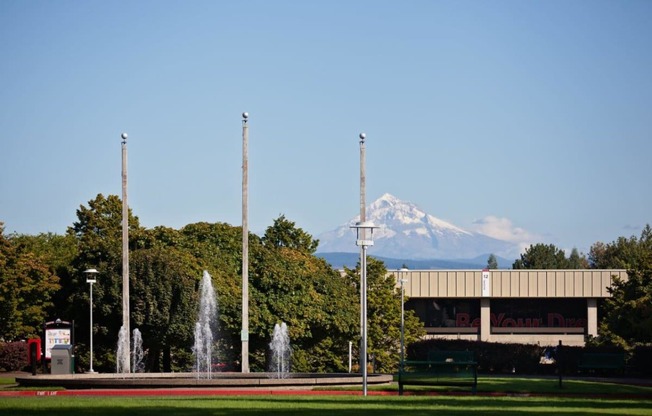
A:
511, 306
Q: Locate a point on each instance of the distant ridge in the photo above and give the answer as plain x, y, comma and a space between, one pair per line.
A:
350, 260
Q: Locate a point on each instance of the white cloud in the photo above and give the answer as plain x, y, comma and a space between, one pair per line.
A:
504, 229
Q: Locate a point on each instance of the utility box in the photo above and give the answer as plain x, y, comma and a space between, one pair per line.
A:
61, 359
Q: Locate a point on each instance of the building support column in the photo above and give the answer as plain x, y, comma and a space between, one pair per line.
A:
485, 319
592, 317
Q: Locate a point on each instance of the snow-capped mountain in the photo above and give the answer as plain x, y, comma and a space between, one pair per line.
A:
408, 232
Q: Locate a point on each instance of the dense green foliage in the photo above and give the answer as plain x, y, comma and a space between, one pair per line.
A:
624, 253
27, 288
548, 256
41, 278
287, 283
627, 315
384, 317
315, 301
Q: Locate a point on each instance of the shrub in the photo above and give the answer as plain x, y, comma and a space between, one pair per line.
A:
493, 357
13, 356
641, 361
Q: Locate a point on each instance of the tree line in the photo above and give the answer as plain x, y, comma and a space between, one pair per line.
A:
41, 278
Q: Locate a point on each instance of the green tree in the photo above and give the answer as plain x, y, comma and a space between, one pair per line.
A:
98, 234
384, 316
624, 253
542, 256
58, 253
27, 286
577, 260
627, 314
217, 249
56, 250
284, 233
492, 262
286, 283
291, 285
164, 305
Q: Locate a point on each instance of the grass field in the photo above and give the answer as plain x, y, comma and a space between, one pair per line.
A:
321, 405
529, 396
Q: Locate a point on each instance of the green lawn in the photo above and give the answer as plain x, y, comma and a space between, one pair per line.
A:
7, 380
542, 386
529, 396
320, 405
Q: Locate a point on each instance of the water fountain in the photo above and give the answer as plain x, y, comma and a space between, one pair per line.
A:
122, 355
137, 354
280, 351
204, 328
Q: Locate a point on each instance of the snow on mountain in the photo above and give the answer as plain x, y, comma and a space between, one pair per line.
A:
408, 232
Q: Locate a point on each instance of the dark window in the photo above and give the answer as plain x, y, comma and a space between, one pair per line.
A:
448, 313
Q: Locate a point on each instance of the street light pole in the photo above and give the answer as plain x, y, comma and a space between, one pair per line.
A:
362, 228
403, 281
90, 279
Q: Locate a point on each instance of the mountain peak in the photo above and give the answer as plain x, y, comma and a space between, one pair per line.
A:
406, 231
405, 212
389, 198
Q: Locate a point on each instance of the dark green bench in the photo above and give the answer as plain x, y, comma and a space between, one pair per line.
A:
443, 368
602, 361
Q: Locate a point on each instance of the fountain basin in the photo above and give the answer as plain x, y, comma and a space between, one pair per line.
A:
177, 380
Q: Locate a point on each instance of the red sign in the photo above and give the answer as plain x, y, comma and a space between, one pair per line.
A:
36, 341
553, 320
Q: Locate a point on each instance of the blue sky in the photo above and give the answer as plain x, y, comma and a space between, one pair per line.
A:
528, 120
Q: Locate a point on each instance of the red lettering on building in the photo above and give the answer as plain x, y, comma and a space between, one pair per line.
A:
496, 321
554, 320
462, 319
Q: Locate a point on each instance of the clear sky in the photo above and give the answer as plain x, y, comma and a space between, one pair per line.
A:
529, 120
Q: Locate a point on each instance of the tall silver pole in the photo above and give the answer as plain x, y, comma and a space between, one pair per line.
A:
401, 273
363, 182
402, 323
364, 319
363, 266
90, 370
125, 254
245, 245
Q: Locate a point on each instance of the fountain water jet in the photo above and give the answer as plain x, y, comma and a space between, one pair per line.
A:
204, 327
137, 354
122, 355
280, 351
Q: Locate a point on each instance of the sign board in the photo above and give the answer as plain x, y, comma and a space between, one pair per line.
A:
55, 336
486, 283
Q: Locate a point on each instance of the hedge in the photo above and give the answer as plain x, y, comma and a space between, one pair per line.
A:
13, 356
